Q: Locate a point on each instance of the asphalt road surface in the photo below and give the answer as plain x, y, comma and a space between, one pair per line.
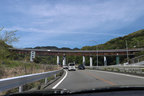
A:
89, 79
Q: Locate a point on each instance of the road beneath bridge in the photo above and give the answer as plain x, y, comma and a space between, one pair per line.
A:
89, 79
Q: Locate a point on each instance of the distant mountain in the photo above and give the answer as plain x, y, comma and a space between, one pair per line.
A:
53, 48
46, 47
134, 40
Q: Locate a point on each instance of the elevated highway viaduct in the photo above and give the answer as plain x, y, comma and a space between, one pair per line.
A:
83, 53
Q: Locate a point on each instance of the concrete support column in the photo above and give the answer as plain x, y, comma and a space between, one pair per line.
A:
133, 61
105, 61
138, 60
32, 55
117, 60
83, 61
91, 62
57, 60
64, 60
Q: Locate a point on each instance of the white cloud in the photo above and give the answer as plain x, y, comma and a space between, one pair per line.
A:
53, 20
78, 16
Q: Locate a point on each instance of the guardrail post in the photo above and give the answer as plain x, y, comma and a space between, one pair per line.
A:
54, 75
20, 88
46, 80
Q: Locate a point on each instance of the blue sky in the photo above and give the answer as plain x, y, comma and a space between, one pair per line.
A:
70, 23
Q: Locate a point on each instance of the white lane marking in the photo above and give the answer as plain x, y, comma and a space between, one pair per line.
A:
122, 74
60, 80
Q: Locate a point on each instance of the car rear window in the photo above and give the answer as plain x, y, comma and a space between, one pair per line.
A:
71, 64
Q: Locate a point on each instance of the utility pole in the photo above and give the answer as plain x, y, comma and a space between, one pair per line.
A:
97, 54
127, 52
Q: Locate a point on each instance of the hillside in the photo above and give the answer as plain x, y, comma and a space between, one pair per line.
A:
134, 40
3, 50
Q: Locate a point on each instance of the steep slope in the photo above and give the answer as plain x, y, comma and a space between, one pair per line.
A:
134, 40
3, 50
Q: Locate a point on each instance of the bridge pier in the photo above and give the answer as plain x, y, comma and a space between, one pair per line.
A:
117, 60
64, 60
91, 61
138, 60
83, 60
32, 55
105, 61
57, 60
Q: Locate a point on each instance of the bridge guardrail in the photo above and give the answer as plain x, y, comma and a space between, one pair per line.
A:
19, 81
138, 70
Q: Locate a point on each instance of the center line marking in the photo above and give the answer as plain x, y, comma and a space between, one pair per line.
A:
106, 81
122, 74
60, 80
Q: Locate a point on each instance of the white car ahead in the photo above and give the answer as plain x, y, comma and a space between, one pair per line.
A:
71, 67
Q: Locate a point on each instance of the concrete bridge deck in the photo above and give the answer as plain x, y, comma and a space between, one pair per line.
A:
78, 52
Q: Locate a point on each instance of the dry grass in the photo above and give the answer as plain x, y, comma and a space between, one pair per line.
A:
6, 72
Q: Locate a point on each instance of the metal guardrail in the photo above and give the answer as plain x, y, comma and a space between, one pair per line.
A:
115, 67
19, 81
139, 70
